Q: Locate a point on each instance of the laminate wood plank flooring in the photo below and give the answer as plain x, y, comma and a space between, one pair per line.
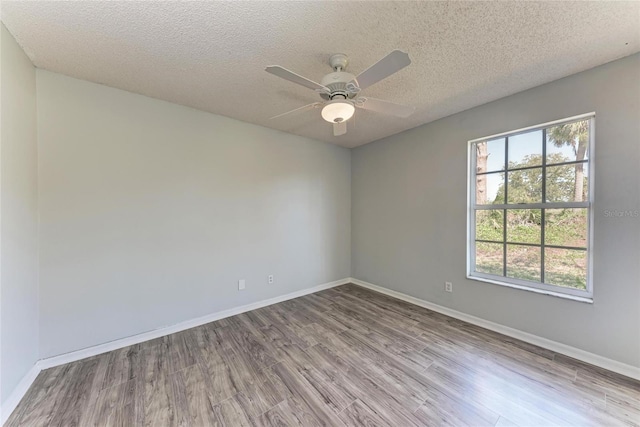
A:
346, 356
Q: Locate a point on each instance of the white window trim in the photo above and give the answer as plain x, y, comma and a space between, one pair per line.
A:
557, 291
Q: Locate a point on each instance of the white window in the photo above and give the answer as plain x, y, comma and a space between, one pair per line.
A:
530, 195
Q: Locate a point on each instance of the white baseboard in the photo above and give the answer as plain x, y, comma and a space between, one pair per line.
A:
187, 324
18, 393
576, 353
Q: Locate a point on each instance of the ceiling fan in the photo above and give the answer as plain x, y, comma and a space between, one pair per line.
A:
340, 90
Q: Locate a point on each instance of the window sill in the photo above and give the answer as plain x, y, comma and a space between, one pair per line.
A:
587, 300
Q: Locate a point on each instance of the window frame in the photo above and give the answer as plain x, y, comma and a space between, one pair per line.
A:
544, 288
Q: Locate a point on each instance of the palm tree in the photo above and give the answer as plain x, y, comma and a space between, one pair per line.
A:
575, 135
481, 164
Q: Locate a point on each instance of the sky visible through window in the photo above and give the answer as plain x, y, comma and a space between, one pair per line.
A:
519, 147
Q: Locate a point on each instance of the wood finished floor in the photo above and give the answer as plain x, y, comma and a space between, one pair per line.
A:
344, 356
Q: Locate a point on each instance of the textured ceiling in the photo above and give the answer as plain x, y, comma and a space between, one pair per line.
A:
212, 55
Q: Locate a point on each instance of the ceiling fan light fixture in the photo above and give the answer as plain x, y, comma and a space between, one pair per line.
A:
338, 111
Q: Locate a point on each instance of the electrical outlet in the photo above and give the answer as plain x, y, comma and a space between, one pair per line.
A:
241, 284
448, 286
271, 279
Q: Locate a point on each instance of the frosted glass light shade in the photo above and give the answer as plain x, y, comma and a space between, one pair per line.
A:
338, 111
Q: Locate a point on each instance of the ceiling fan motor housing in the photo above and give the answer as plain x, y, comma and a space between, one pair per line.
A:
337, 84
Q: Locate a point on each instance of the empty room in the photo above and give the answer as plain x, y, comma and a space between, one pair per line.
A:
319, 213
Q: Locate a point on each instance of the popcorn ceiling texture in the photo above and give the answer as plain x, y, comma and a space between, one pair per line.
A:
212, 55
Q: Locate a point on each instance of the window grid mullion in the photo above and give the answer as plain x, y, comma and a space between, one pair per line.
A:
536, 245
524, 168
506, 201
544, 200
550, 205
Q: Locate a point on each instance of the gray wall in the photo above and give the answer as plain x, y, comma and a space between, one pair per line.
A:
18, 216
409, 212
150, 212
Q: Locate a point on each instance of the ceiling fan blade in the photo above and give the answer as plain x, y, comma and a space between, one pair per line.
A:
392, 63
283, 73
299, 110
385, 107
339, 128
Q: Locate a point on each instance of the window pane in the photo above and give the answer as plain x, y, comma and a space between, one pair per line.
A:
568, 142
524, 225
523, 262
525, 186
489, 225
490, 155
568, 183
566, 227
565, 267
525, 149
490, 188
489, 258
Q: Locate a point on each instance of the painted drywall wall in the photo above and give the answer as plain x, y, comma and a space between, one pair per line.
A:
18, 216
151, 212
409, 212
